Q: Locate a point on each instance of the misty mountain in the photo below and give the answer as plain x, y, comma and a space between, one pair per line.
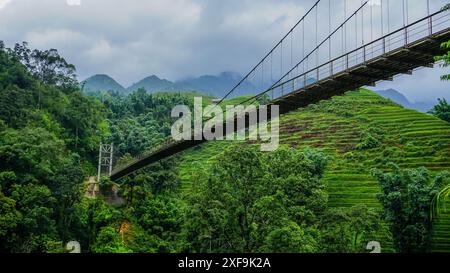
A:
214, 85
399, 98
395, 96
101, 82
217, 86
153, 84
423, 106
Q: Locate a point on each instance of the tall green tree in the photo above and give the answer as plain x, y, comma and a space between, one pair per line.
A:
48, 135
37, 227
441, 110
346, 230
250, 200
445, 58
48, 66
407, 197
67, 188
10, 218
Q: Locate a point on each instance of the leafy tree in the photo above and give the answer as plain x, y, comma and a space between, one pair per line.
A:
142, 241
37, 226
14, 106
91, 215
12, 72
9, 218
47, 66
66, 186
407, 197
109, 241
159, 178
248, 197
445, 58
49, 133
136, 135
85, 119
299, 176
291, 238
3, 126
349, 230
7, 179
31, 153
441, 110
161, 217
368, 141
336, 237
42, 92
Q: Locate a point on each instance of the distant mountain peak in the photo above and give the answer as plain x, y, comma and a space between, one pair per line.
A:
231, 74
102, 82
391, 90
153, 77
215, 85
397, 97
152, 84
97, 76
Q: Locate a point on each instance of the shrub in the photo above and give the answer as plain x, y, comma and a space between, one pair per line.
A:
368, 142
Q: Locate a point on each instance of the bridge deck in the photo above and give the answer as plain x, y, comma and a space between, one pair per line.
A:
399, 61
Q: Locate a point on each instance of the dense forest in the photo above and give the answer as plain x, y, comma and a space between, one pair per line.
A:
243, 201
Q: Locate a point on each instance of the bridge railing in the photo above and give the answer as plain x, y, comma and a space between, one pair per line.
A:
395, 40
357, 38
301, 75
244, 85
166, 143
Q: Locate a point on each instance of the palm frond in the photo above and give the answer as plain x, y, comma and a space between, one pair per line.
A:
439, 204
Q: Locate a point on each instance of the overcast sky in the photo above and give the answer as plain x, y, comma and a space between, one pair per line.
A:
174, 39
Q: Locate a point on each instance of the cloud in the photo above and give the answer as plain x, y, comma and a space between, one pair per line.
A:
265, 15
56, 38
73, 2
100, 51
131, 39
3, 3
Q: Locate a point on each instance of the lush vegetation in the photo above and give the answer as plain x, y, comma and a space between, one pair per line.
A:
407, 197
141, 121
277, 202
315, 194
441, 110
446, 57
49, 133
360, 131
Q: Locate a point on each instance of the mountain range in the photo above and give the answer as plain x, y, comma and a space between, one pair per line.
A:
214, 85
399, 98
102, 82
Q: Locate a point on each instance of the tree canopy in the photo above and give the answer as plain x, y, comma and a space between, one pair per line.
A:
446, 57
441, 110
407, 197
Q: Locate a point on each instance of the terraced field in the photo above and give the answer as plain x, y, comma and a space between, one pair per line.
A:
441, 230
361, 131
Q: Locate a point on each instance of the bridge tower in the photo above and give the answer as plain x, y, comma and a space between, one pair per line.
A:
105, 159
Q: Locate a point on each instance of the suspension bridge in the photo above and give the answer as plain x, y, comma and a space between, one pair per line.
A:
357, 43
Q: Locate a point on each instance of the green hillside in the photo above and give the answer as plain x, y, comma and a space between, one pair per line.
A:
152, 84
101, 82
361, 131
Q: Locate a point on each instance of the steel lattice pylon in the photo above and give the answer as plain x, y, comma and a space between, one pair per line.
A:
105, 159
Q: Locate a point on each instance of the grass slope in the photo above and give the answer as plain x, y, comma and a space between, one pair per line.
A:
361, 131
